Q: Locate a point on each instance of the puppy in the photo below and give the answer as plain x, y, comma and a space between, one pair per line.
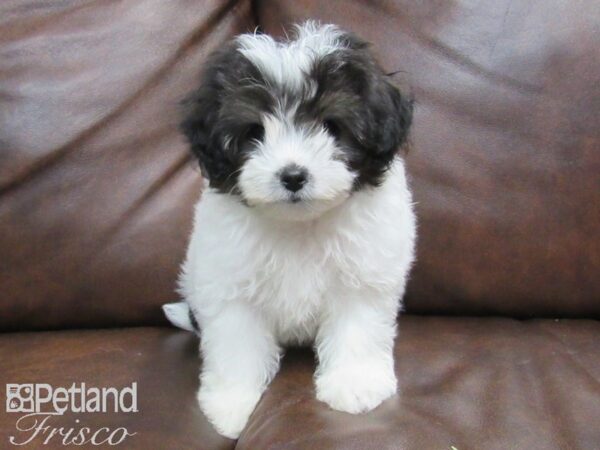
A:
305, 234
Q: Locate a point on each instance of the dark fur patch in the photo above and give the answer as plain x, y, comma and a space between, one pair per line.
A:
222, 114
355, 101
370, 117
193, 320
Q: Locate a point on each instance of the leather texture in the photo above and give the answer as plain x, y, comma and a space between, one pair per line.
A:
505, 157
471, 383
96, 186
164, 363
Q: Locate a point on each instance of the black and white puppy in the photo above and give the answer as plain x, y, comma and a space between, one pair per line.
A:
306, 232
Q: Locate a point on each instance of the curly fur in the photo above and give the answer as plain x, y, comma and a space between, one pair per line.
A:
324, 265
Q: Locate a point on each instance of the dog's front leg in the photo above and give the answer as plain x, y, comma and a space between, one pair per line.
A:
355, 350
240, 357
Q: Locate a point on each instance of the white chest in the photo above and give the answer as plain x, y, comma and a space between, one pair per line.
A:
292, 282
292, 272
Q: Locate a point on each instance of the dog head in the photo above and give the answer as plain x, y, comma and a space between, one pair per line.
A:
294, 127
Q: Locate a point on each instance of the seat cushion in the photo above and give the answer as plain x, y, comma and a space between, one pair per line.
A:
466, 383
164, 363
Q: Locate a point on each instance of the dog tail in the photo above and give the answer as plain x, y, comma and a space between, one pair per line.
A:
180, 315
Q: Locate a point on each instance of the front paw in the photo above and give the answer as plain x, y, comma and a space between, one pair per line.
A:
355, 389
228, 407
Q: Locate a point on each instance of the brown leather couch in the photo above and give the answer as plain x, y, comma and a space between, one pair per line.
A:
500, 344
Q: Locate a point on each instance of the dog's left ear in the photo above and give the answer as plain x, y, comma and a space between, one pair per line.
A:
394, 113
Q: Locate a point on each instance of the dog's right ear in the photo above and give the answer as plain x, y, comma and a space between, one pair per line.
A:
200, 117
201, 114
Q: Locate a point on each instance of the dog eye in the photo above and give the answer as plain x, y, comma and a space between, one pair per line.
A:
332, 128
255, 132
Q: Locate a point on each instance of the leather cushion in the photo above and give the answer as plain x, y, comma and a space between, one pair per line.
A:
505, 156
96, 189
162, 361
464, 382
96, 186
467, 382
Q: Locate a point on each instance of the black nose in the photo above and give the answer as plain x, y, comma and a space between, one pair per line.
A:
294, 177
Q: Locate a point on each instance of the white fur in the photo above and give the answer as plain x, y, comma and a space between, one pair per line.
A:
178, 315
258, 282
288, 62
329, 182
325, 265
311, 147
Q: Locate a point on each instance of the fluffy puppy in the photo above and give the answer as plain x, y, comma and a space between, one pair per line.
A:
305, 234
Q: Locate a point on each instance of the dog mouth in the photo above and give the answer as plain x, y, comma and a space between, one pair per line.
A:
299, 199
296, 200
291, 200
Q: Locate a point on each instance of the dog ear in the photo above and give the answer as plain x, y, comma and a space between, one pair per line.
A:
390, 110
388, 115
200, 124
394, 117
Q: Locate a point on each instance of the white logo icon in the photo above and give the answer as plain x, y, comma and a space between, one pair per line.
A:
19, 398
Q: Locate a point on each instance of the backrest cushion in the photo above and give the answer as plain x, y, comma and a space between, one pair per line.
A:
505, 158
96, 187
